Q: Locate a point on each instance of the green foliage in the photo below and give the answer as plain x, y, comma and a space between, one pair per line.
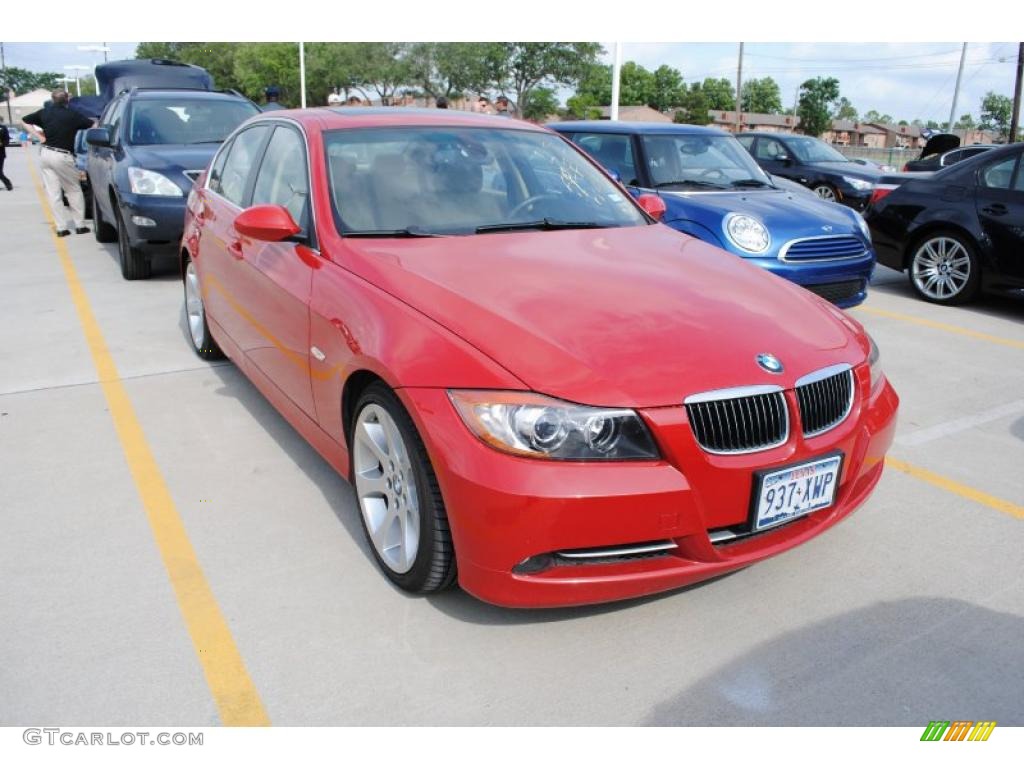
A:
636, 84
845, 110
720, 93
596, 84
258, 65
22, 80
582, 106
814, 109
871, 116
762, 96
216, 58
694, 107
965, 123
543, 102
518, 68
995, 113
451, 69
668, 89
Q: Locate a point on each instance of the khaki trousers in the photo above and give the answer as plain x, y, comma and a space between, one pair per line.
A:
59, 173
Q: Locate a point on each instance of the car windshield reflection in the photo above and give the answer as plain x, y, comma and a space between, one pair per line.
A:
688, 161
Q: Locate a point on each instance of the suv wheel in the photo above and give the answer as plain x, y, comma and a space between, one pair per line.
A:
101, 230
134, 264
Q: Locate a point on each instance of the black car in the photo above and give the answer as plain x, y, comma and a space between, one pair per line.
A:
957, 231
151, 144
813, 163
943, 149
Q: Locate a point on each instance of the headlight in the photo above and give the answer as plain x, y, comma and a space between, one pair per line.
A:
874, 365
747, 233
143, 182
528, 424
858, 184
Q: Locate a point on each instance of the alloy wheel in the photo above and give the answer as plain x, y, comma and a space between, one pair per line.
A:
825, 192
386, 488
194, 306
941, 268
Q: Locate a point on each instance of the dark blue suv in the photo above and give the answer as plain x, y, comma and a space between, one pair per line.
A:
150, 145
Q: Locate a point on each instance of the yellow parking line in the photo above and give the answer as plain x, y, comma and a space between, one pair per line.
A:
1001, 505
233, 691
1013, 343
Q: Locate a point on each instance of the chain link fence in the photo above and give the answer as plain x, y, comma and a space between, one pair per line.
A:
894, 157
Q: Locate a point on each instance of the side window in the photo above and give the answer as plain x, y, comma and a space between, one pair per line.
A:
952, 157
213, 181
769, 149
746, 141
239, 163
113, 118
282, 178
998, 175
1018, 182
612, 150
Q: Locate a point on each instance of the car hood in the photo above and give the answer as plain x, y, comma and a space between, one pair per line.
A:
786, 215
855, 170
173, 159
638, 316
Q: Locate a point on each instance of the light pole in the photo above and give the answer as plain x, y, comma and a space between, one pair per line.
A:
7, 90
101, 48
77, 69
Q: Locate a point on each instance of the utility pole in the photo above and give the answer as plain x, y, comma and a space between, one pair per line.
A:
1015, 115
616, 81
739, 89
956, 89
7, 91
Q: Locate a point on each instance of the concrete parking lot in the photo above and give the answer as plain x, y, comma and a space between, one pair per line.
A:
245, 591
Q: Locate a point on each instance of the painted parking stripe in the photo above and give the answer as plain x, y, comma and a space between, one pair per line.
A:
1012, 343
964, 491
955, 426
234, 693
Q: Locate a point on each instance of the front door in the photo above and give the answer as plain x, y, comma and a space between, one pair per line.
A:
1000, 203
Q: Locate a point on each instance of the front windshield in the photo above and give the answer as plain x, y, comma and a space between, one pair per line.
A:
457, 181
186, 121
811, 150
701, 161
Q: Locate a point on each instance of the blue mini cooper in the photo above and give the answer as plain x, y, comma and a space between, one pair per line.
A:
714, 190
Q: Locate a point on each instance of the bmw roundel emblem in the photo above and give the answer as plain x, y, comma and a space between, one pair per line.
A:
769, 362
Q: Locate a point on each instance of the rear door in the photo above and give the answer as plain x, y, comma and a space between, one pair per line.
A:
1000, 201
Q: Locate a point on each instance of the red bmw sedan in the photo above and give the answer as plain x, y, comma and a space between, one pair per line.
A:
535, 389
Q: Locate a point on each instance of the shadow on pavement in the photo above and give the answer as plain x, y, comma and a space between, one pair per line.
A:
892, 283
894, 663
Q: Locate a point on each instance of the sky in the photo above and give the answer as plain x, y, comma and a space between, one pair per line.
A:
905, 80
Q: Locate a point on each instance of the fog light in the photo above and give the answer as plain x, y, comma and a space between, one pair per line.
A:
534, 564
143, 221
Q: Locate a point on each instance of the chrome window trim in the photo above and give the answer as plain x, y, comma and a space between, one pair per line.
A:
786, 246
731, 393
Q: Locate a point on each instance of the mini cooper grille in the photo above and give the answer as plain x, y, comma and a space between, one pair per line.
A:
739, 424
838, 247
825, 402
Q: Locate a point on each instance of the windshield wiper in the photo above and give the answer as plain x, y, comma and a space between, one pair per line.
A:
750, 183
406, 232
689, 183
544, 223
208, 141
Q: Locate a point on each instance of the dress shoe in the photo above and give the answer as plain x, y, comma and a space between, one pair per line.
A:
63, 233
82, 230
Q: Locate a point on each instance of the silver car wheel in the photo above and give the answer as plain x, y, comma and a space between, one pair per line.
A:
941, 268
194, 306
386, 488
825, 192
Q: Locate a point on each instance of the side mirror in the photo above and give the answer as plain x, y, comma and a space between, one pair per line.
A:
784, 159
270, 223
97, 137
653, 204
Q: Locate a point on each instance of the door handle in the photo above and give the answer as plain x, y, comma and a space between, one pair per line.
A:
996, 209
235, 249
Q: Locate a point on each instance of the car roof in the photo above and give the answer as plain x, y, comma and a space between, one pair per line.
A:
609, 126
331, 118
192, 93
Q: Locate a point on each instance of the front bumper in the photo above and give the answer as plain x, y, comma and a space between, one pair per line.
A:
504, 510
822, 276
167, 215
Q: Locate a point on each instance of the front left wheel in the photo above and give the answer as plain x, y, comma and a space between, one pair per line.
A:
198, 330
399, 498
134, 264
825, 192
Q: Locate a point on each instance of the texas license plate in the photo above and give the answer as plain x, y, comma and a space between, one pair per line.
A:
796, 491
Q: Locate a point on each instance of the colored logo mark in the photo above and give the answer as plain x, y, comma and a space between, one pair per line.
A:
958, 730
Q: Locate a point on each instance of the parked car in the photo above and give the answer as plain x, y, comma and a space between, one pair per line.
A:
713, 190
867, 162
534, 388
813, 163
944, 149
150, 145
958, 231
81, 163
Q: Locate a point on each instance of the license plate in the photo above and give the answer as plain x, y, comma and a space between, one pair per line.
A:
796, 491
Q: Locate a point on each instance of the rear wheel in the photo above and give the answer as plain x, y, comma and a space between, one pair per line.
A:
101, 230
134, 264
825, 192
198, 330
944, 269
399, 498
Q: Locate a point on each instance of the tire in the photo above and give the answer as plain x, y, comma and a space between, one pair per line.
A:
195, 313
103, 232
825, 192
944, 268
386, 454
134, 264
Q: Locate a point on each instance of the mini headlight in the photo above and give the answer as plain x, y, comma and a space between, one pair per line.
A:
143, 182
862, 225
747, 233
874, 365
528, 424
858, 184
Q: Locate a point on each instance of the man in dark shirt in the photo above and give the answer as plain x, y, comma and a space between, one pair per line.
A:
4, 138
273, 94
59, 124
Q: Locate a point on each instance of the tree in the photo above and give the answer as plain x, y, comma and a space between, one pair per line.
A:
933, 124
22, 80
694, 108
817, 96
596, 84
543, 103
668, 89
451, 69
995, 113
258, 65
521, 67
720, 93
871, 116
382, 67
636, 84
582, 106
965, 123
762, 96
845, 110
